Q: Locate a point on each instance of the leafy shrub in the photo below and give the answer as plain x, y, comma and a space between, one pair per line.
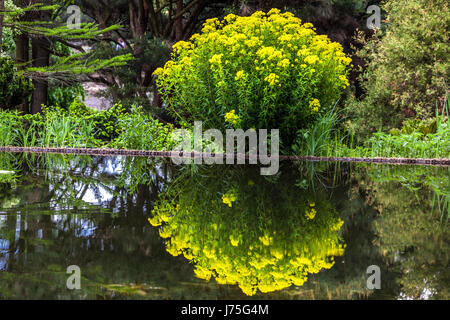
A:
413, 145
142, 132
106, 122
264, 71
13, 87
8, 42
63, 96
409, 126
407, 66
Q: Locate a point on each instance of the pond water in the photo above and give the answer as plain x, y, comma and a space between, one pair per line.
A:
142, 228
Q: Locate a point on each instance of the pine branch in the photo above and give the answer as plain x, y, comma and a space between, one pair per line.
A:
74, 67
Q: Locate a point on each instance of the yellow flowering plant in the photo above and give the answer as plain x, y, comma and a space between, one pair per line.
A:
253, 235
267, 68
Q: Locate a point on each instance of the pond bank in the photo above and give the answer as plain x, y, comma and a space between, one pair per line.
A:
150, 153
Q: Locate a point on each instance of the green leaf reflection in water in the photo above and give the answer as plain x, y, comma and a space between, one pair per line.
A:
412, 225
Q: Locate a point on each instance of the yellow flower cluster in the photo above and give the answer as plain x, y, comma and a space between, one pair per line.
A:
232, 117
239, 75
154, 221
345, 82
272, 79
310, 214
312, 59
234, 241
314, 105
337, 226
216, 59
284, 63
267, 54
266, 239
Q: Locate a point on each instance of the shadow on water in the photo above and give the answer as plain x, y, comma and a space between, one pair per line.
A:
142, 228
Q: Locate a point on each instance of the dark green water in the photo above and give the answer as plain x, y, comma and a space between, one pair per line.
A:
220, 232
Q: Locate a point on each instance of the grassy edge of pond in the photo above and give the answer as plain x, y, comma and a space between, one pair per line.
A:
134, 129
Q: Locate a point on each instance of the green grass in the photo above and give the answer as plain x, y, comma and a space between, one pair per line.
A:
320, 139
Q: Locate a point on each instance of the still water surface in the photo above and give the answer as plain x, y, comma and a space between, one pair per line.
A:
141, 228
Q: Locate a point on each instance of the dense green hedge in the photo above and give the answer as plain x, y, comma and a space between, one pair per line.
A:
408, 67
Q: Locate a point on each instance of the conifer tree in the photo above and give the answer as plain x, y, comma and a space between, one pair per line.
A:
42, 23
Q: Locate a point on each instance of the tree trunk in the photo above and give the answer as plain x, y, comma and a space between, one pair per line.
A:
22, 57
2, 7
22, 50
157, 100
179, 22
41, 58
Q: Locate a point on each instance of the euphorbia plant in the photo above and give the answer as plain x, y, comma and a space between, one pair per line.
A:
268, 71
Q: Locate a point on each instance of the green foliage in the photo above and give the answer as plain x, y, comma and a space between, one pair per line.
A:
11, 127
76, 65
8, 42
105, 122
319, 138
420, 178
415, 145
31, 20
81, 126
143, 132
48, 29
407, 66
264, 71
416, 125
13, 87
428, 138
63, 96
412, 227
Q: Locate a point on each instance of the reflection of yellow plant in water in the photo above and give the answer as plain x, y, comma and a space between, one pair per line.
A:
228, 198
240, 251
234, 240
310, 213
266, 239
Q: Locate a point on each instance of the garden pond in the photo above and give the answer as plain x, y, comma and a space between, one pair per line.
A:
143, 228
